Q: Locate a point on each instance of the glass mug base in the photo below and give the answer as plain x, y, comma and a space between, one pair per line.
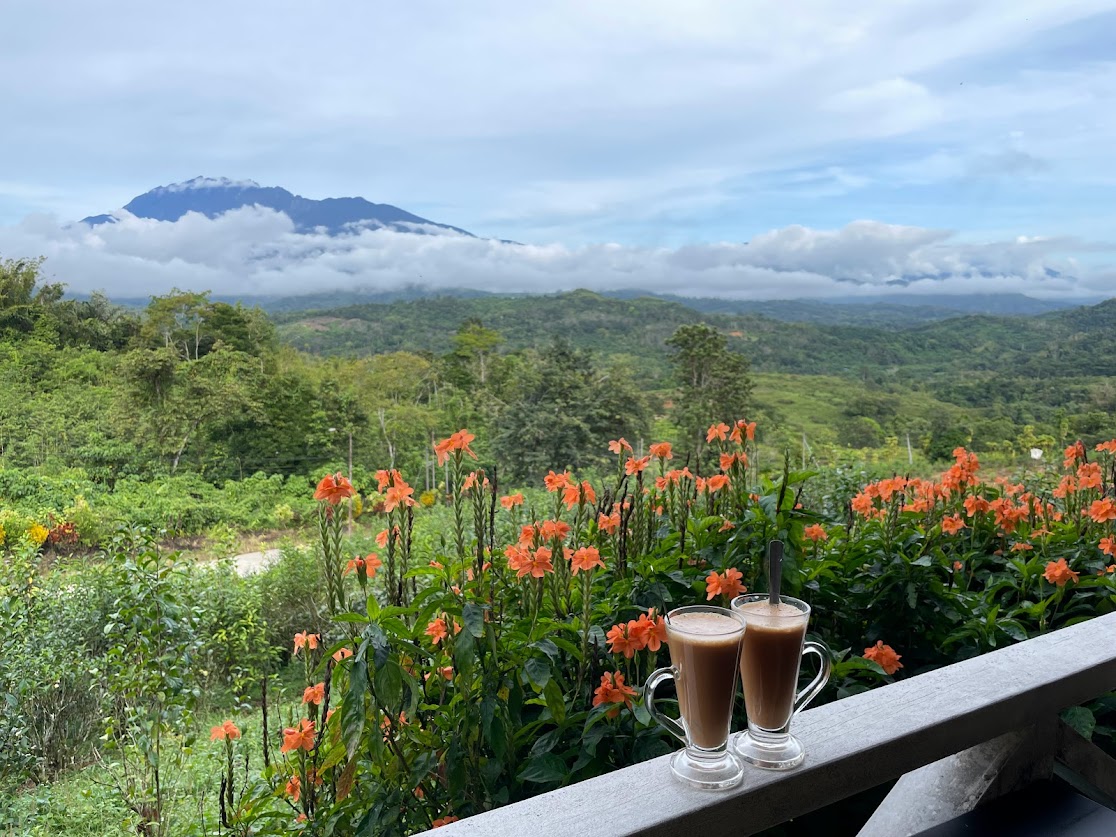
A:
717, 772
776, 752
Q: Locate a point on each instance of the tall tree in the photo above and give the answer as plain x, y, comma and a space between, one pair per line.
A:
564, 411
714, 383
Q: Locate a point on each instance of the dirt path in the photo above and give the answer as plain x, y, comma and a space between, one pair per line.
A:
253, 562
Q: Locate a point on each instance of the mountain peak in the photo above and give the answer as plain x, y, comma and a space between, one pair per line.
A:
202, 182
214, 196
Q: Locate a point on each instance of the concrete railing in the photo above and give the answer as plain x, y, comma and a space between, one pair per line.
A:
852, 745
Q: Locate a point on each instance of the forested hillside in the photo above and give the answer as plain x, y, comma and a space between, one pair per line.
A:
201, 394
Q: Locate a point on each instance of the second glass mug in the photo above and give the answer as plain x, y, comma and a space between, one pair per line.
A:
773, 648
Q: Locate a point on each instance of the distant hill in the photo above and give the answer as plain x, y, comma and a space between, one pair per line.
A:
1070, 342
215, 196
888, 311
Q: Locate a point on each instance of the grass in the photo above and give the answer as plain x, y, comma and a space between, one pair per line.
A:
84, 803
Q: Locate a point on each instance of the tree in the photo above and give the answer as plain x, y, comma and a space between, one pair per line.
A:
714, 383
564, 411
473, 345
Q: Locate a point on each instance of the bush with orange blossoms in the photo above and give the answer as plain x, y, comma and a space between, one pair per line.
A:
501, 630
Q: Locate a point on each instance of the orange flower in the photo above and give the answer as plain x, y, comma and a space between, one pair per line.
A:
863, 504
1022, 546
550, 529
442, 450
634, 466
436, 630
728, 524
446, 820
743, 430
333, 489
717, 431
294, 788
661, 450
399, 495
355, 565
716, 482
585, 559
511, 501
538, 564
575, 494
1107, 546
1108, 447
1058, 572
382, 539
298, 738
953, 524
306, 640
341, 653
957, 565
556, 482
724, 585
314, 694
470, 482
884, 656
1089, 476
613, 690
647, 632
1111, 568
618, 445
620, 642
815, 533
527, 536
1073, 453
608, 523
227, 731
1102, 510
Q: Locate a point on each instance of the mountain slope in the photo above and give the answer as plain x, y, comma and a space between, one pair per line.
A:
215, 196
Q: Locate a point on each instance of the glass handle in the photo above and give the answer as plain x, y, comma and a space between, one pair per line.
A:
825, 661
669, 724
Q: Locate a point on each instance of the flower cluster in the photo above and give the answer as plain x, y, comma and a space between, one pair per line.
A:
648, 632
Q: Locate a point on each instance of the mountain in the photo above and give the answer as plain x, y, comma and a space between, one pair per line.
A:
215, 196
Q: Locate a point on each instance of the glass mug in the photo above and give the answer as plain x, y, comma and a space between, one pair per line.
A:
705, 643
773, 648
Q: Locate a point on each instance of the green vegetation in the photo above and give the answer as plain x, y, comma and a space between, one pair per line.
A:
493, 648
122, 431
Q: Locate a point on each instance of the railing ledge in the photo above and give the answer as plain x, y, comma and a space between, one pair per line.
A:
852, 745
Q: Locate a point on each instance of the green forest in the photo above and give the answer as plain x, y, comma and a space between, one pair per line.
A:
229, 412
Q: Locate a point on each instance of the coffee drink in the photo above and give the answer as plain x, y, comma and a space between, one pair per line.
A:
705, 650
770, 660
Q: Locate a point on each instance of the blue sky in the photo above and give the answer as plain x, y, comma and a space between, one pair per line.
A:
648, 124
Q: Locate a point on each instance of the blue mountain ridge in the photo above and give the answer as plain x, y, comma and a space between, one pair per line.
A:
215, 196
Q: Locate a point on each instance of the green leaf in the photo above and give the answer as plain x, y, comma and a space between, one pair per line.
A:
545, 768
389, 684
538, 671
545, 743
555, 701
464, 653
352, 710
1082, 720
473, 616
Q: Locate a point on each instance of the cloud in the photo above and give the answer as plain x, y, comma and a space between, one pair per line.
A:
256, 251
